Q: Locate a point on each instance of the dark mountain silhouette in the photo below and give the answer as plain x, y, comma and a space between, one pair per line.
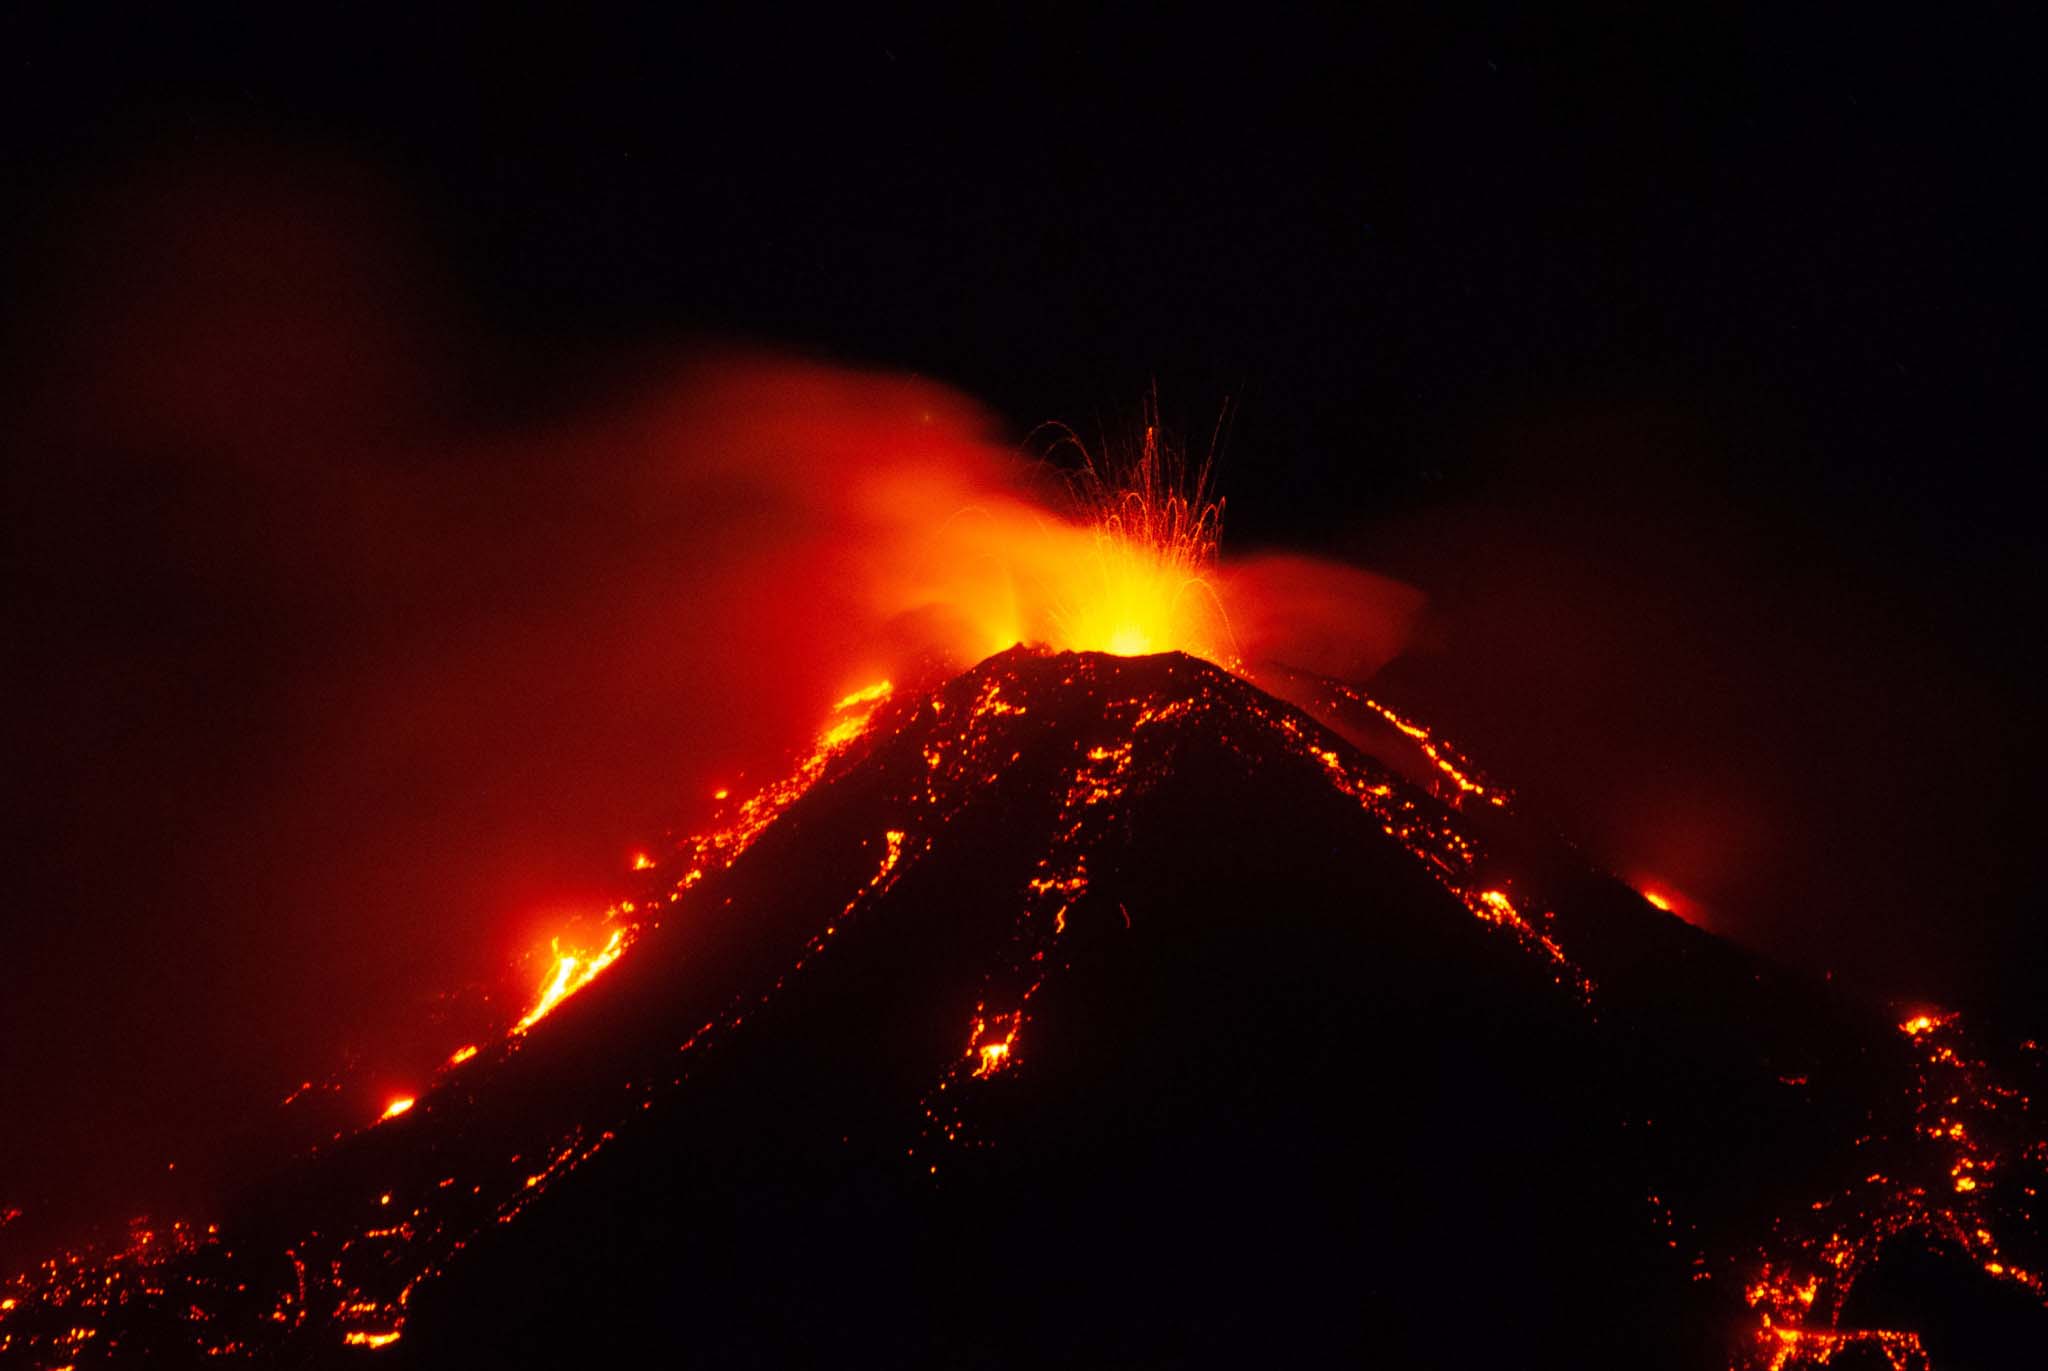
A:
1109, 1011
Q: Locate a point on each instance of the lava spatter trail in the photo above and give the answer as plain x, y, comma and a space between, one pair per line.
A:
1954, 1163
1079, 953
349, 1277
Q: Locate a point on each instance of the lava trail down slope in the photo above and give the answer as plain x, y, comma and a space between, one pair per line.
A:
1105, 1010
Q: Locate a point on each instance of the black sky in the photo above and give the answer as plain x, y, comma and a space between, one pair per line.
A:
1687, 362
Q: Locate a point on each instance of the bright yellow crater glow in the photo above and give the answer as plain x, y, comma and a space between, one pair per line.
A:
1146, 582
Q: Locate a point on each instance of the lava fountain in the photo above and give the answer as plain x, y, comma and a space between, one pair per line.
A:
1147, 583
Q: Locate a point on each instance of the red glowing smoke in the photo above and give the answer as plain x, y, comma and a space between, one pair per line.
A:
357, 667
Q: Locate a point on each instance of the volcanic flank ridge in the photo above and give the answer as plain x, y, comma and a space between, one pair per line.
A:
1109, 1010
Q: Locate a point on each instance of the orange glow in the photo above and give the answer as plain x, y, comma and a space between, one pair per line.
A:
866, 695
843, 732
398, 1106
1122, 560
572, 971
1659, 901
934, 542
641, 861
1144, 584
1923, 1023
1448, 762
1935, 1190
992, 1041
1943, 1170
1819, 1346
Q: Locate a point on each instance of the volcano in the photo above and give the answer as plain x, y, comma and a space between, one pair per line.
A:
1087, 1009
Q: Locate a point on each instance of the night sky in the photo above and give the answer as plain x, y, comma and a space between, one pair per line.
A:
1686, 364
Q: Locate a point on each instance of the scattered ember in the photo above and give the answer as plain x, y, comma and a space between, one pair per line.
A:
1954, 1164
1936, 1179
354, 1286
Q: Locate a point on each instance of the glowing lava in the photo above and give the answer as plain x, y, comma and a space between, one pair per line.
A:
1939, 1182
1955, 1165
573, 971
1147, 584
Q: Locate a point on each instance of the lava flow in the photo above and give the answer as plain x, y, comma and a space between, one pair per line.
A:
1951, 1163
1073, 745
357, 1277
899, 977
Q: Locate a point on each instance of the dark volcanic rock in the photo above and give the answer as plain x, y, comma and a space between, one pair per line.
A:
1107, 1011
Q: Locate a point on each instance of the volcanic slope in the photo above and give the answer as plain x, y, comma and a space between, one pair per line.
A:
1107, 1010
